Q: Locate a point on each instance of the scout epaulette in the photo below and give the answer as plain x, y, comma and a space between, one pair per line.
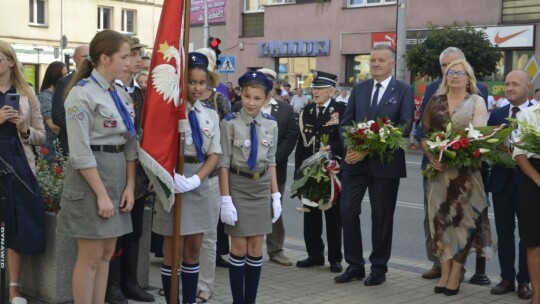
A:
82, 82
231, 115
208, 105
268, 116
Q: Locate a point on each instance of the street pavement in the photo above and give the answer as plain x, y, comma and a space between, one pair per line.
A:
289, 284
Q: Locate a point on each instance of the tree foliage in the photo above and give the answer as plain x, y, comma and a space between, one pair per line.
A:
423, 58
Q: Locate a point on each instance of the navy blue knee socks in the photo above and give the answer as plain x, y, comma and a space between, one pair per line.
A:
166, 282
189, 275
253, 273
236, 277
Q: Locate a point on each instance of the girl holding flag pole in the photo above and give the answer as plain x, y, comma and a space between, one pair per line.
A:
247, 177
201, 149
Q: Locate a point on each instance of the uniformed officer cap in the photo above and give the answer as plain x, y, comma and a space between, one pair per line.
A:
197, 59
323, 80
256, 77
135, 43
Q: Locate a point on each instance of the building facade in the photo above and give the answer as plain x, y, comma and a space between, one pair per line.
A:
296, 36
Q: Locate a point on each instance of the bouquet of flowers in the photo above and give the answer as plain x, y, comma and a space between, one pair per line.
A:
468, 147
50, 175
529, 136
371, 137
318, 185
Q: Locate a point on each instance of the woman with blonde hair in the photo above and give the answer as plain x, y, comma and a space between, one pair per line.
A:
21, 126
456, 199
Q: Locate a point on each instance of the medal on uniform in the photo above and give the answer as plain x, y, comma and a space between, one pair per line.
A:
189, 141
247, 143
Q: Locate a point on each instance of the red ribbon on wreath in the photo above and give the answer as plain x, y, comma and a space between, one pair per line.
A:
332, 168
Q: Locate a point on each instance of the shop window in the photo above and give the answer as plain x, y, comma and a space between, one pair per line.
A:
357, 3
356, 68
128, 21
253, 25
520, 11
38, 12
104, 18
258, 5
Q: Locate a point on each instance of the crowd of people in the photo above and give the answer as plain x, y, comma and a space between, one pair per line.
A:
236, 152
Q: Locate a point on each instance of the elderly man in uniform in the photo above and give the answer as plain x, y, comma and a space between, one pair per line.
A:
287, 130
317, 119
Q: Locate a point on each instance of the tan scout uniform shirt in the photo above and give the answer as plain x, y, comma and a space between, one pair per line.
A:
236, 142
209, 123
92, 119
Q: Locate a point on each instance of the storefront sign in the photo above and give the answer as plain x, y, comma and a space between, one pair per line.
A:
216, 11
515, 36
387, 38
296, 48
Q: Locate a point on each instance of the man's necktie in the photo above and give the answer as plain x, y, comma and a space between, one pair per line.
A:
374, 102
320, 111
196, 133
252, 159
514, 112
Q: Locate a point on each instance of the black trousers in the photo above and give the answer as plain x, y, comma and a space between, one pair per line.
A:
383, 197
137, 214
313, 229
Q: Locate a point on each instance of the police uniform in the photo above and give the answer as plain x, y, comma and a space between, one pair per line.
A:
314, 122
196, 208
98, 138
249, 189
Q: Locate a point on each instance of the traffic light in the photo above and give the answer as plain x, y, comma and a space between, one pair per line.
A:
213, 43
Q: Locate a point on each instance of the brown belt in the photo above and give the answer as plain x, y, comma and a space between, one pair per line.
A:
107, 148
251, 175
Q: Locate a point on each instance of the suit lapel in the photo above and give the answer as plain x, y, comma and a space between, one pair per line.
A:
387, 94
365, 100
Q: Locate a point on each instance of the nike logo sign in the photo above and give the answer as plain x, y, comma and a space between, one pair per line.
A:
499, 40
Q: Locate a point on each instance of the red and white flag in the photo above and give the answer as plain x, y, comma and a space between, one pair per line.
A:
164, 108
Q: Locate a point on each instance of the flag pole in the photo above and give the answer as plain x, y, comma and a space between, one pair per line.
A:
180, 162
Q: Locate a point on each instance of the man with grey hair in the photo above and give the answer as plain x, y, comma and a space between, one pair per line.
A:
447, 56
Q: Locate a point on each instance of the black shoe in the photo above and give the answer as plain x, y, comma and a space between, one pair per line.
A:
439, 289
452, 292
310, 262
374, 279
350, 274
336, 267
503, 287
221, 262
133, 291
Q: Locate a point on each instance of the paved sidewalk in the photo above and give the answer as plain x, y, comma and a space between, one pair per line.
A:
282, 284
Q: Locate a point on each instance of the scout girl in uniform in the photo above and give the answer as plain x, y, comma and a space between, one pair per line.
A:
99, 183
247, 177
201, 149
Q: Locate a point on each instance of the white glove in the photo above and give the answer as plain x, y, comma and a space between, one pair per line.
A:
228, 211
276, 206
183, 184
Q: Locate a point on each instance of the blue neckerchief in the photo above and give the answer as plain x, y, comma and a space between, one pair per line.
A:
196, 134
126, 118
252, 159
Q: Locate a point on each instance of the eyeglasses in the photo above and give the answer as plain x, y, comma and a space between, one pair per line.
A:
459, 74
3, 59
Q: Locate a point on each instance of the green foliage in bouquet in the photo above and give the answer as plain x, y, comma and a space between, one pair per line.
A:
50, 175
380, 137
468, 147
529, 136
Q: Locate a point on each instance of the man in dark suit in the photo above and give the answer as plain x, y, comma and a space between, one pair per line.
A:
503, 184
287, 131
382, 96
447, 56
58, 112
321, 117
